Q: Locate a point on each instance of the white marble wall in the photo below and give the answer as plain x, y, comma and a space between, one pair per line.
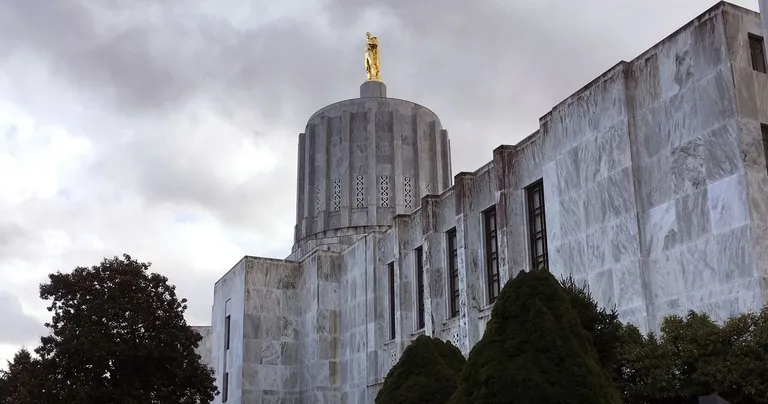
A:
271, 331
229, 299
655, 186
204, 349
752, 111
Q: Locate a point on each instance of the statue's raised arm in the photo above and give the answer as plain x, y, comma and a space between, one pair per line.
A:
372, 71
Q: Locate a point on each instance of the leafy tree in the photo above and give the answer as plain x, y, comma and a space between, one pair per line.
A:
21, 383
648, 372
534, 350
427, 373
694, 356
743, 374
118, 335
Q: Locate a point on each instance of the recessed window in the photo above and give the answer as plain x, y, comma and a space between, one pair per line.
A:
391, 271
225, 388
226, 333
491, 253
453, 272
537, 225
419, 274
764, 129
757, 50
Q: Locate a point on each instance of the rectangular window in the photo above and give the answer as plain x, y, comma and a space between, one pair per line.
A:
391, 268
491, 253
419, 274
757, 49
226, 333
225, 388
453, 272
764, 129
537, 225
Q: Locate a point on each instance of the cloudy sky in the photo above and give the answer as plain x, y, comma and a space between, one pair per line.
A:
167, 129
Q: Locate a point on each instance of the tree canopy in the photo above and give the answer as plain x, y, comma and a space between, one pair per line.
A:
693, 356
426, 373
534, 350
117, 335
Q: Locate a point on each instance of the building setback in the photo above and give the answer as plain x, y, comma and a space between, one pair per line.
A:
649, 184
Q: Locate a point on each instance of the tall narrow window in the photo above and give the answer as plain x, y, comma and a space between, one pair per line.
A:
226, 333
764, 129
419, 274
453, 272
537, 225
491, 253
391, 270
757, 50
225, 388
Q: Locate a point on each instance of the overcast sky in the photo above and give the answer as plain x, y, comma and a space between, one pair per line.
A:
167, 129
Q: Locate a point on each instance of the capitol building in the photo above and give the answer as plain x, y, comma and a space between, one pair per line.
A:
649, 184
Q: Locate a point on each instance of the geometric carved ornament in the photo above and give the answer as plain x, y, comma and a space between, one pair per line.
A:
337, 194
407, 193
384, 187
360, 188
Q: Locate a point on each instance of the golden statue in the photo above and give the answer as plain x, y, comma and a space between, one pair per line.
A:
372, 68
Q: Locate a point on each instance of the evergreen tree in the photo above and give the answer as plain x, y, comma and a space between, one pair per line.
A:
22, 382
426, 373
535, 351
118, 335
601, 324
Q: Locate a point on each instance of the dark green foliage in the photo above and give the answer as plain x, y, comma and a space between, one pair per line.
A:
118, 335
426, 373
21, 383
602, 325
534, 350
694, 357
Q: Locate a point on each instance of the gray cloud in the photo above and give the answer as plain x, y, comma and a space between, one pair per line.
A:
170, 93
11, 234
489, 68
18, 328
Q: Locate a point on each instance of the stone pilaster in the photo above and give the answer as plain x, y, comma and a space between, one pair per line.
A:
468, 227
502, 160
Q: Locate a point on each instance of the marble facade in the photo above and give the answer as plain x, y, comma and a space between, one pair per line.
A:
655, 194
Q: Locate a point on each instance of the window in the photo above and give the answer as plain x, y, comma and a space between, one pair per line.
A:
491, 253
225, 388
537, 225
419, 265
764, 129
391, 271
226, 333
453, 272
757, 49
